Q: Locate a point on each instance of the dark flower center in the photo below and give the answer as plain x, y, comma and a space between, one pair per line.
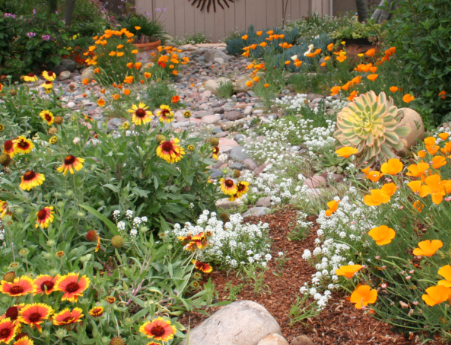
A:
68, 319
23, 144
165, 112
29, 175
48, 82
47, 285
241, 186
48, 118
9, 144
229, 183
42, 214
216, 149
72, 287
12, 313
30, 74
50, 73
69, 160
140, 112
16, 289
4, 333
157, 331
35, 317
167, 146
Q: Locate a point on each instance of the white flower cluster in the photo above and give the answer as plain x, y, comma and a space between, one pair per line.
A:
231, 244
300, 101
133, 223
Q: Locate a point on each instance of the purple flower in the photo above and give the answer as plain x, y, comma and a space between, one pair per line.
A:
14, 16
164, 9
34, 11
158, 9
31, 34
46, 37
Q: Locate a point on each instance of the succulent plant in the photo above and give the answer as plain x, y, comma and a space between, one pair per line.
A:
371, 124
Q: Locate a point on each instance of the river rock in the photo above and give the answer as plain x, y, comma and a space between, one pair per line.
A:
239, 154
88, 73
302, 340
233, 115
414, 121
264, 202
64, 75
210, 119
273, 339
315, 182
226, 203
255, 212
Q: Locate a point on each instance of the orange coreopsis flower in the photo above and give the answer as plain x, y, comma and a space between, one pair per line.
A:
428, 248
70, 164
417, 170
67, 317
376, 198
19, 287
382, 235
348, 271
442, 94
35, 314
100, 102
8, 330
374, 176
436, 295
346, 152
96, 312
371, 52
372, 77
73, 286
392, 167
126, 92
407, 98
158, 329
363, 295
45, 284
438, 162
445, 272
434, 187
31, 179
393, 88
333, 206
206, 268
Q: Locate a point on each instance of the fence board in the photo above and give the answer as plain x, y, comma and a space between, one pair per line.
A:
240, 14
210, 23
294, 10
179, 17
271, 18
229, 19
189, 19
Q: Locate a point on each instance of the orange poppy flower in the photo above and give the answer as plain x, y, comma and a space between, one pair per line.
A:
436, 295
352, 96
382, 235
422, 153
263, 44
70, 164
335, 90
45, 284
126, 92
415, 186
432, 149
389, 189
418, 205
372, 77
373, 69
434, 187
374, 176
256, 79
366, 171
8, 330
330, 47
245, 37
72, 285
428, 248
392, 167
438, 162
19, 287
130, 65
129, 79
442, 94
333, 206
371, 52
96, 312
147, 75
407, 98
175, 72
67, 317
363, 295
341, 58
376, 198
348, 271
249, 83
134, 51
102, 91
31, 179
259, 33
445, 272
346, 152
100, 102
443, 136
175, 99
266, 85
206, 268
35, 314
116, 96
417, 170
158, 329
138, 65
393, 88
298, 63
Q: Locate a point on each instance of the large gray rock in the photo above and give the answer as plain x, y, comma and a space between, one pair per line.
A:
212, 85
238, 154
250, 164
211, 54
65, 65
210, 119
88, 73
255, 212
226, 203
240, 85
64, 75
264, 202
239, 323
233, 115
315, 182
273, 339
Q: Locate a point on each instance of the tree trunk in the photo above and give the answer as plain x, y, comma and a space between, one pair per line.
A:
362, 10
381, 15
69, 12
53, 6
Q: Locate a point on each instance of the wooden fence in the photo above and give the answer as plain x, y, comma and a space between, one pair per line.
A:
181, 18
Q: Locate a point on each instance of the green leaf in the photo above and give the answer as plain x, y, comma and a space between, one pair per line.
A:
111, 226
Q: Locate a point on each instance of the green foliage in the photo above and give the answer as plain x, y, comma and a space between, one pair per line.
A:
302, 310
28, 43
196, 38
160, 93
357, 30
234, 291
225, 89
150, 30
421, 32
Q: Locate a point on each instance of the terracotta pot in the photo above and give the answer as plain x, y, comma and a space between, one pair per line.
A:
148, 46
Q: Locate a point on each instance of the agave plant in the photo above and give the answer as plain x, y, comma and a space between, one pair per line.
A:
371, 125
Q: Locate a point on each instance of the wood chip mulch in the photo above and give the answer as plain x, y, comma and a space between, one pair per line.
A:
339, 323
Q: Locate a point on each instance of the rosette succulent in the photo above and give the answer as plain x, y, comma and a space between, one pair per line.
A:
371, 125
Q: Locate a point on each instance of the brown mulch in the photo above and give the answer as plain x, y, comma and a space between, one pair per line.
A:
339, 323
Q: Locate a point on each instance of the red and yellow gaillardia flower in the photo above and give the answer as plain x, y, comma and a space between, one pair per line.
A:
45, 217
228, 187
158, 329
45, 284
9, 148
8, 330
206, 268
24, 341
165, 114
242, 188
110, 299
170, 151
13, 312
19, 287
47, 116
198, 241
70, 164
35, 314
49, 75
72, 285
141, 115
3, 208
31, 179
47, 85
31, 77
96, 312
215, 152
67, 317
23, 145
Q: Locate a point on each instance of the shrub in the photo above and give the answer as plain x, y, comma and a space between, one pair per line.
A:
225, 89
145, 30
421, 32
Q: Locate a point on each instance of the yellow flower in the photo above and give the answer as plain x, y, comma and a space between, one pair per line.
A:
140, 113
228, 187
170, 151
70, 164
165, 114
